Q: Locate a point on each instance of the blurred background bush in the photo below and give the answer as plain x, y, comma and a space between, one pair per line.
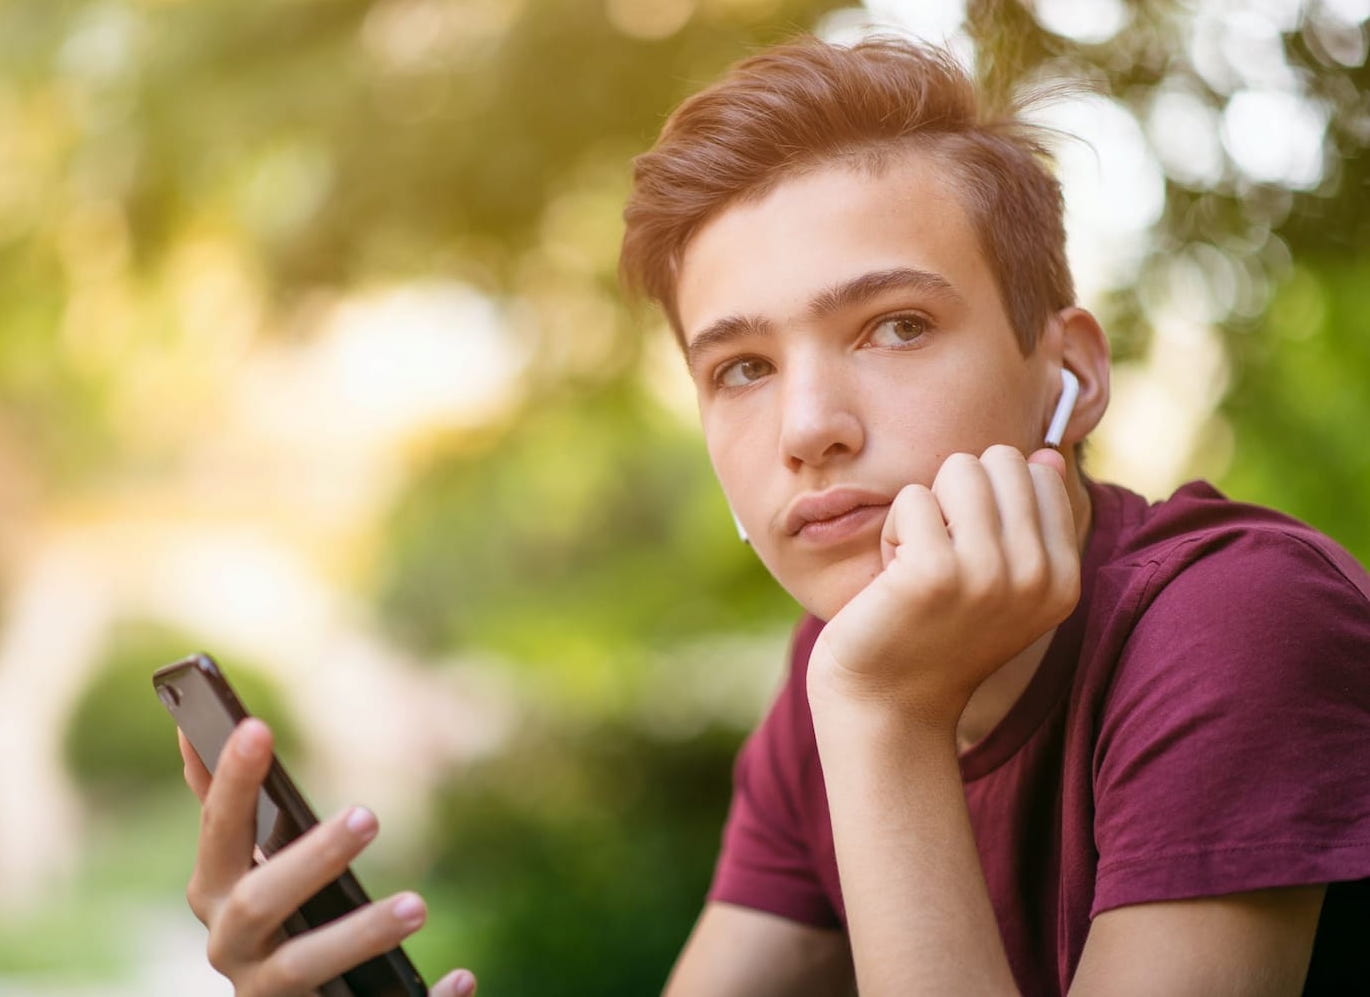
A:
312, 356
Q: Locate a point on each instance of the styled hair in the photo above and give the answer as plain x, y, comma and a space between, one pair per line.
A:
805, 105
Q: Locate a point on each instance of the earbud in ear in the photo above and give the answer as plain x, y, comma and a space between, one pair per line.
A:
1070, 391
741, 530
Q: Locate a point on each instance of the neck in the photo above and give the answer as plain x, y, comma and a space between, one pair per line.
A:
995, 696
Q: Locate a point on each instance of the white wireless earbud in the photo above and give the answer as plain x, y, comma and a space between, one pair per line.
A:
741, 530
1070, 391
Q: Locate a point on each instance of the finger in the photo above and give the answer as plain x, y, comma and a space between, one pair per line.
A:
1050, 457
1016, 498
1053, 499
312, 959
1058, 531
1055, 514
1014, 494
963, 491
915, 524
266, 896
229, 819
458, 983
196, 775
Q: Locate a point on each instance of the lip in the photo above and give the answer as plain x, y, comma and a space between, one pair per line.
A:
834, 514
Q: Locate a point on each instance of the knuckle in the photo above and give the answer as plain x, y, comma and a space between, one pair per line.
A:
959, 462
986, 579
211, 816
912, 494
380, 930
1068, 590
287, 972
216, 951
335, 845
247, 906
198, 898
988, 588
955, 467
1003, 452
1032, 574
939, 580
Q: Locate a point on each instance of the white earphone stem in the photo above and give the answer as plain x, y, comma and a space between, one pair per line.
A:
1070, 391
741, 530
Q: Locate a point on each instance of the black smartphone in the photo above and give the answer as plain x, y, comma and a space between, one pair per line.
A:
207, 709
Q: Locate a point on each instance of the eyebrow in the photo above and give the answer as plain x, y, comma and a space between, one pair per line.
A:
725, 330
833, 299
868, 285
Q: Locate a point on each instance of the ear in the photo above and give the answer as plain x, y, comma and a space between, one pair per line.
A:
1079, 341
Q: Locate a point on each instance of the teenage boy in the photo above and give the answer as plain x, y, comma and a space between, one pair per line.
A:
1050, 737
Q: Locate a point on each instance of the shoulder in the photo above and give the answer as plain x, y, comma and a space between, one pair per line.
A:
1237, 666
1208, 606
1198, 530
1199, 573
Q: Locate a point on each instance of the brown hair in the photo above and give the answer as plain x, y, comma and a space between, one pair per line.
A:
805, 104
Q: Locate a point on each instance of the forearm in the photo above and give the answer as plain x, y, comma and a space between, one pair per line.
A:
918, 910
737, 952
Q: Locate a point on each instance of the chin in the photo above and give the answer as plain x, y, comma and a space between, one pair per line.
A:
823, 592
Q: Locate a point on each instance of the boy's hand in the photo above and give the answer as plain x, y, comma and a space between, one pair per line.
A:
975, 569
244, 905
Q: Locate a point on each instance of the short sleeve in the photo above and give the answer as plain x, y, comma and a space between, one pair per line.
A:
766, 861
1234, 747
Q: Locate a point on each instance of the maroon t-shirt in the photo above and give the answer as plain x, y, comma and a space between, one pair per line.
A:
1200, 726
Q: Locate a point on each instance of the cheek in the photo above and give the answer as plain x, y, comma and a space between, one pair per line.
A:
957, 414
730, 462
738, 442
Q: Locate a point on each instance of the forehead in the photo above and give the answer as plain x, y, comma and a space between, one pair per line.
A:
769, 257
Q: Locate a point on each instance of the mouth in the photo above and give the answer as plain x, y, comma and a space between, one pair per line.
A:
827, 517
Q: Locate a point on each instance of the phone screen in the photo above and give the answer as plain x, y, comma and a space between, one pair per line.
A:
207, 709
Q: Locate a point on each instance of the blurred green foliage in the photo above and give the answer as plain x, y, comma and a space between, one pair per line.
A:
591, 535
120, 741
579, 858
1300, 391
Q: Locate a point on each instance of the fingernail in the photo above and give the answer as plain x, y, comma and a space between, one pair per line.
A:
410, 910
362, 823
458, 983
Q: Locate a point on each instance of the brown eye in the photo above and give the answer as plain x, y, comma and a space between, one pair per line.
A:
741, 373
900, 330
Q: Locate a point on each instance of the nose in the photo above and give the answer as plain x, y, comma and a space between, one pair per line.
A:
820, 419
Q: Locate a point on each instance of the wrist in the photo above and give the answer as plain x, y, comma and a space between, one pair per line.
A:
842, 698
865, 732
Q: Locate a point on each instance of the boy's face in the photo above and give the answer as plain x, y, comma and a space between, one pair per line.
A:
845, 335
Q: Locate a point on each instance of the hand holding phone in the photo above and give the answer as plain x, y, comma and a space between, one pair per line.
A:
271, 882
